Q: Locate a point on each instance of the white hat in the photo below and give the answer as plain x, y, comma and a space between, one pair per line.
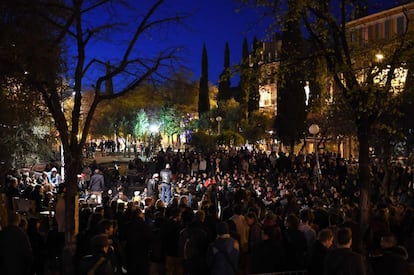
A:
54, 169
155, 175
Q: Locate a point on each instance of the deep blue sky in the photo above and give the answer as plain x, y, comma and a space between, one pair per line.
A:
216, 22
212, 22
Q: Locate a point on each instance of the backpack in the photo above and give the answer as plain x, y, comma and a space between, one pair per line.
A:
193, 243
96, 266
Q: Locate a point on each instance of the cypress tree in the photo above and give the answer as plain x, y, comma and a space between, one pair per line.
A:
254, 95
290, 120
203, 95
360, 9
224, 89
243, 95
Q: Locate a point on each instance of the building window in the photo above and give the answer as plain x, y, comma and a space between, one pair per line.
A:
387, 29
352, 36
377, 31
359, 36
265, 97
400, 25
365, 35
371, 33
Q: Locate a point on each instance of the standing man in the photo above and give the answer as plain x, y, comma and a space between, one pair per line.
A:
166, 178
342, 259
97, 185
319, 250
137, 246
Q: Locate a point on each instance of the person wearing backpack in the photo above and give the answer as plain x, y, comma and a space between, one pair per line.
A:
223, 252
194, 242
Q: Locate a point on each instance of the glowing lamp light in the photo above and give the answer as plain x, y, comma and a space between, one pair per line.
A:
153, 128
314, 129
379, 57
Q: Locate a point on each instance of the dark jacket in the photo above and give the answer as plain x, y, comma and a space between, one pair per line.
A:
171, 235
152, 188
267, 257
193, 246
222, 256
343, 261
97, 183
295, 249
317, 257
138, 238
15, 252
391, 261
166, 176
39, 249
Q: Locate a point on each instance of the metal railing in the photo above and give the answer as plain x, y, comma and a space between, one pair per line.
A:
292, 272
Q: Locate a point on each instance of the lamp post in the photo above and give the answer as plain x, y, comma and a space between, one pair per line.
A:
218, 119
314, 130
116, 138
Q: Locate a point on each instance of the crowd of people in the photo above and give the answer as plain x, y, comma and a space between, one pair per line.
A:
233, 212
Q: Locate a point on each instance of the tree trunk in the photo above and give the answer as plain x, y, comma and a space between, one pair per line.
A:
387, 151
72, 163
364, 178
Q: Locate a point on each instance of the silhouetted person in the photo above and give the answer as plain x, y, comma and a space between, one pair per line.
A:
16, 256
343, 259
319, 251
392, 260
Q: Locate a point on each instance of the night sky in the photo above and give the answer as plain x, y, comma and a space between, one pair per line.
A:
212, 22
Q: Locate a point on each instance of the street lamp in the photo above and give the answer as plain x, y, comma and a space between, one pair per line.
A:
218, 119
116, 138
314, 130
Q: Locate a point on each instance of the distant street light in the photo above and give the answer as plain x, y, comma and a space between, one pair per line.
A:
219, 119
153, 128
314, 130
379, 57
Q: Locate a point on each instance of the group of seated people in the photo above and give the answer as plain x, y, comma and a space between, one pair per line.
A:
267, 219
39, 188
